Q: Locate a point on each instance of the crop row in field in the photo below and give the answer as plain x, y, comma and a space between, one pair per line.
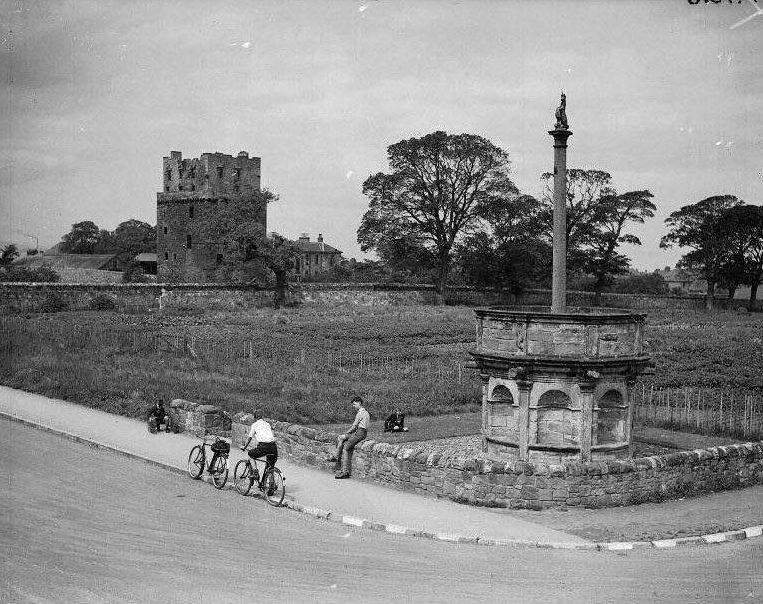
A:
304, 364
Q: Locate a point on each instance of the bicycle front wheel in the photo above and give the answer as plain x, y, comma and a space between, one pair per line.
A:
196, 462
275, 490
220, 472
243, 478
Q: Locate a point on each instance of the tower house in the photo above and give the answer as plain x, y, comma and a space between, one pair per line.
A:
191, 190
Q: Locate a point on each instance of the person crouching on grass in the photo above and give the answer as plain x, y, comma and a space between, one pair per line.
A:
346, 443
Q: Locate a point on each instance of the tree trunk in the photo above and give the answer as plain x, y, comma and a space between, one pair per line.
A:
279, 297
710, 298
597, 295
442, 282
752, 305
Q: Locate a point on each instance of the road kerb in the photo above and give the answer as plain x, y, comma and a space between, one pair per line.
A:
715, 538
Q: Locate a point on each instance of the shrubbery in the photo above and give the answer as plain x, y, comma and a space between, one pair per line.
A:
20, 273
54, 302
102, 302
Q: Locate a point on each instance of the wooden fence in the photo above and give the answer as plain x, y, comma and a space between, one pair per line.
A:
702, 410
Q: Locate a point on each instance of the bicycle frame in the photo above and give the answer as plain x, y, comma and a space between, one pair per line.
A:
208, 459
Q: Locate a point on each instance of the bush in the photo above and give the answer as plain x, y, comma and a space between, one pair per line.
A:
102, 302
23, 274
54, 302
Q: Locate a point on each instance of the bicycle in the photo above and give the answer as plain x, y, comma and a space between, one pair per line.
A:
271, 485
218, 464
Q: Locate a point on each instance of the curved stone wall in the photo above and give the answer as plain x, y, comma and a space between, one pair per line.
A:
516, 484
526, 485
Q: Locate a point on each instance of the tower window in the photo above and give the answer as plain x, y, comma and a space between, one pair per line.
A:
237, 174
166, 187
219, 172
174, 256
166, 255
188, 242
165, 230
219, 259
190, 213
169, 174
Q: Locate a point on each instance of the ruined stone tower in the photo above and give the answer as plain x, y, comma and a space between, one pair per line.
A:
192, 189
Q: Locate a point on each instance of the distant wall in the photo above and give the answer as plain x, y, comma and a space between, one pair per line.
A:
136, 297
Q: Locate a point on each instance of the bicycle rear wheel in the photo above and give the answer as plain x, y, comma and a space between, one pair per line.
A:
196, 462
220, 472
243, 478
275, 490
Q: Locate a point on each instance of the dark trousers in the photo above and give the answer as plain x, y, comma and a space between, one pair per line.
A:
267, 450
345, 447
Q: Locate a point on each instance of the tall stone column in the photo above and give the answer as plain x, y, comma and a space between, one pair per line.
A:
561, 133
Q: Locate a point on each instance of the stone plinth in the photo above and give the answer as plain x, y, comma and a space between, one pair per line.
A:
558, 386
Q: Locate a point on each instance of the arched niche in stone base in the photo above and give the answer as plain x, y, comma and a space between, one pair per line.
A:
556, 421
502, 410
610, 417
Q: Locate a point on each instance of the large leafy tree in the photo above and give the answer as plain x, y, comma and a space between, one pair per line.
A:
743, 225
602, 257
133, 237
597, 222
509, 250
434, 193
588, 195
246, 253
699, 227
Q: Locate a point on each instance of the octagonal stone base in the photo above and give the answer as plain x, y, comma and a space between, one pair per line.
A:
558, 387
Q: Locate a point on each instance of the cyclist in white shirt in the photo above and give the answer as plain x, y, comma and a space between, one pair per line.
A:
265, 442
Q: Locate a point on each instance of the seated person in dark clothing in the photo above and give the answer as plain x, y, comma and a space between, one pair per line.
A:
158, 415
395, 422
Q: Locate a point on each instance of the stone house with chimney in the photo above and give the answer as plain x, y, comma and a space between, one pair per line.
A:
315, 256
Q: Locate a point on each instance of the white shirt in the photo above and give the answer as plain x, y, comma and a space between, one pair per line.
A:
261, 432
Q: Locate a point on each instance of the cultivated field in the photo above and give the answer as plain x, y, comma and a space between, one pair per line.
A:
304, 364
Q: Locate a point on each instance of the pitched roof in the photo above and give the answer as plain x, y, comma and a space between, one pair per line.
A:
94, 261
316, 246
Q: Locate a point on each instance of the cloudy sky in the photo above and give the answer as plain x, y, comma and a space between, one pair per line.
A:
664, 95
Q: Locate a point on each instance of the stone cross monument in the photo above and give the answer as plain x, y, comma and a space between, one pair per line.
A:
561, 133
558, 383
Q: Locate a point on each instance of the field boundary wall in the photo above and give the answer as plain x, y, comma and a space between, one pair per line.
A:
141, 297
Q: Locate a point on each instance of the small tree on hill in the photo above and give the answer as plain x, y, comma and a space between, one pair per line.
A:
84, 238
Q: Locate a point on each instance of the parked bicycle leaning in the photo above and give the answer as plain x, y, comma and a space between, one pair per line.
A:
218, 462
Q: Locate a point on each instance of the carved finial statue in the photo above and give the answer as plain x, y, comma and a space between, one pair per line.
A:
561, 116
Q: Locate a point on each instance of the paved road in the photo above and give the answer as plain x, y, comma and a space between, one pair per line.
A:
82, 525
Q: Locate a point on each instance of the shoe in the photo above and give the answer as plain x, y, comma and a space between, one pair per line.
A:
340, 476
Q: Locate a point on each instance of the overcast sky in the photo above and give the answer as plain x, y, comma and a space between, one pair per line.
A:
664, 95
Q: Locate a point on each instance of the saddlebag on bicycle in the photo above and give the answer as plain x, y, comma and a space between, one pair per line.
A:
221, 446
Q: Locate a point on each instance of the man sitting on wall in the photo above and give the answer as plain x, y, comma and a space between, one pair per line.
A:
346, 442
395, 422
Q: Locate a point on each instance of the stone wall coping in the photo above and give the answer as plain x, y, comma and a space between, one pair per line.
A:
316, 287
481, 465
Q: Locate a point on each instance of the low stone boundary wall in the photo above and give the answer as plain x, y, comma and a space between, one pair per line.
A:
197, 418
485, 482
523, 485
140, 297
